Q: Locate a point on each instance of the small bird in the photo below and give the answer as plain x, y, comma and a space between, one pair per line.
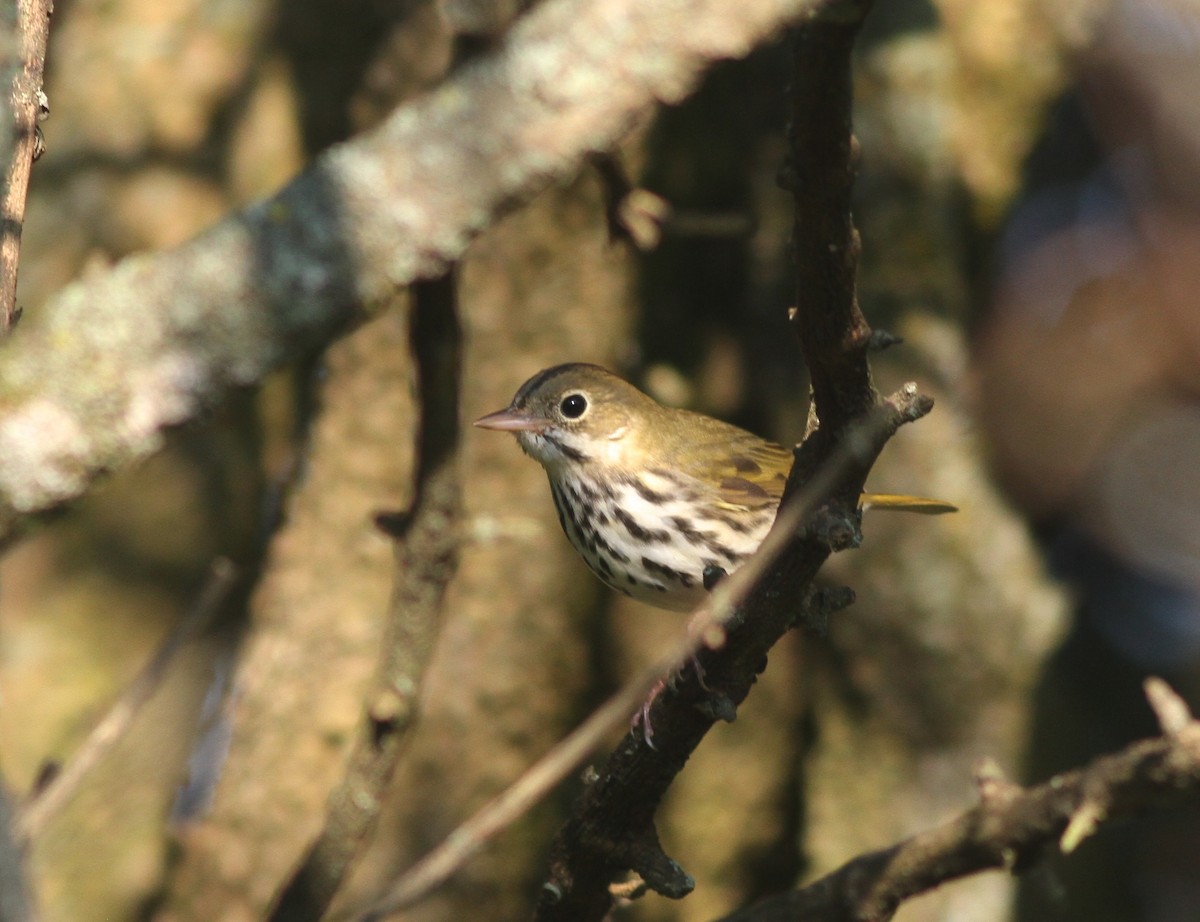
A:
656, 500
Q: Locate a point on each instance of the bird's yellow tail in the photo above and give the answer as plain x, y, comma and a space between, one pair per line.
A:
899, 502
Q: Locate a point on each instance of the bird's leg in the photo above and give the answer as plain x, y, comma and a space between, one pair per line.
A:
671, 680
642, 717
720, 708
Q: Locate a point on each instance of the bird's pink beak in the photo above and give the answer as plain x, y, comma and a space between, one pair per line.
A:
510, 421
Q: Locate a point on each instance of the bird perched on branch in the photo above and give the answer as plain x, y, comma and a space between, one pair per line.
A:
656, 500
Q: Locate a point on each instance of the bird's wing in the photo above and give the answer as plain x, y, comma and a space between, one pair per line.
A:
743, 471
736, 468
727, 466
754, 475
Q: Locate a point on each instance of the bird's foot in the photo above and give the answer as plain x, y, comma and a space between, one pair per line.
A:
641, 719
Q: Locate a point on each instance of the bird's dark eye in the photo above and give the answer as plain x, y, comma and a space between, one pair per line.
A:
573, 406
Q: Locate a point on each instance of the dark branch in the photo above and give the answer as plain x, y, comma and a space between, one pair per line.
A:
426, 560
611, 826
823, 161
1010, 829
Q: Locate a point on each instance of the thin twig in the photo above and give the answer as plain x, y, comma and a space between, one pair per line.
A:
28, 108
565, 757
499, 813
49, 800
426, 560
1010, 828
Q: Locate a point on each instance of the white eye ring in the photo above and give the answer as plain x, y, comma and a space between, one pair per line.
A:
573, 406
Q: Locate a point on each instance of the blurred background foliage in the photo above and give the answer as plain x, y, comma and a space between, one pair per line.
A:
168, 113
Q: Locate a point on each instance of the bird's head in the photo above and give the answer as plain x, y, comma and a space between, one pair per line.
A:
575, 414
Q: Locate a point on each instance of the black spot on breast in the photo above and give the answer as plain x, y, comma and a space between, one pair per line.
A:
610, 550
737, 523
687, 528
637, 532
698, 538
645, 492
559, 507
653, 566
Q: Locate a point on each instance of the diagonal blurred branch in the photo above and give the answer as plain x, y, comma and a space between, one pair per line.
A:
426, 560
117, 358
28, 106
48, 801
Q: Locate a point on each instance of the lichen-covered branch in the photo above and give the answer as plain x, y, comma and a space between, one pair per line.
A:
115, 359
1011, 828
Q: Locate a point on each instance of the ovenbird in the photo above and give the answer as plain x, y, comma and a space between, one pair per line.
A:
652, 498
